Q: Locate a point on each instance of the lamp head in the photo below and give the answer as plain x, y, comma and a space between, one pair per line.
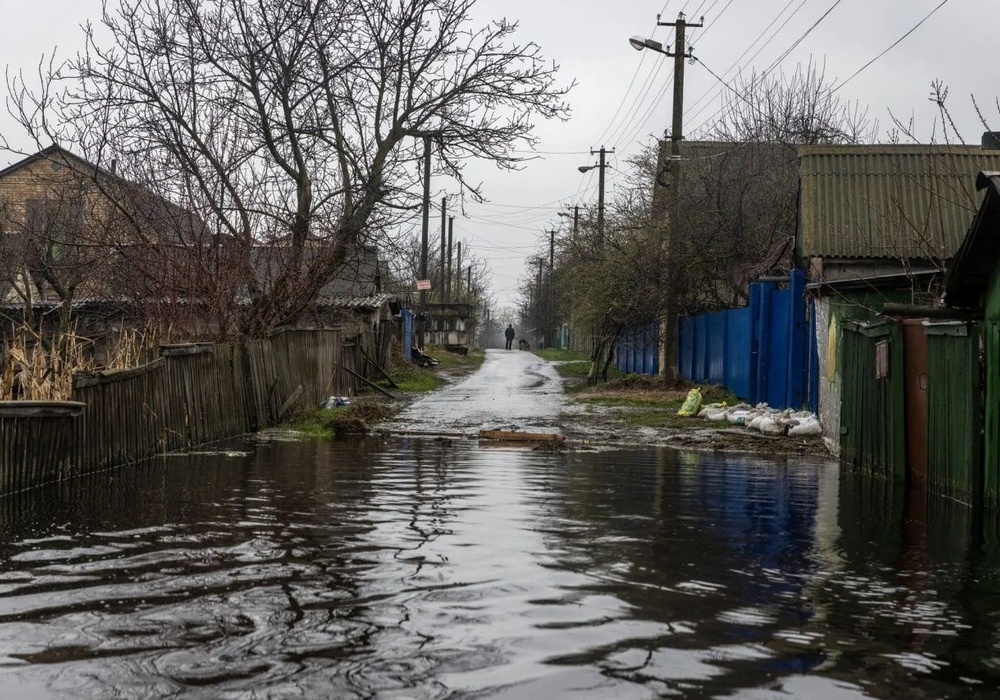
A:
585, 168
639, 43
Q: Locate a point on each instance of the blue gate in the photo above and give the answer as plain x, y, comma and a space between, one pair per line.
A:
407, 334
763, 352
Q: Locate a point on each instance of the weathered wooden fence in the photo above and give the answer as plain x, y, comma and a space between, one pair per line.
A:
191, 395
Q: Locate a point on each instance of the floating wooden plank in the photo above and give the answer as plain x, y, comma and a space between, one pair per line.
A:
518, 436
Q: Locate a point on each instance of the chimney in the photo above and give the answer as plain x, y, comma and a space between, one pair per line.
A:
991, 141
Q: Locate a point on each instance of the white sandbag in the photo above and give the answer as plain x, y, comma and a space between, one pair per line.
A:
805, 428
738, 417
769, 426
714, 413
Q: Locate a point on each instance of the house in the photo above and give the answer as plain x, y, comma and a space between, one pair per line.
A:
449, 324
73, 230
972, 283
877, 225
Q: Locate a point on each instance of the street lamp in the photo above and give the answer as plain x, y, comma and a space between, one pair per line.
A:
639, 43
601, 165
679, 54
575, 216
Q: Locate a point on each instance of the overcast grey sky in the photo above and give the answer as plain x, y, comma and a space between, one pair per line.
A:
623, 97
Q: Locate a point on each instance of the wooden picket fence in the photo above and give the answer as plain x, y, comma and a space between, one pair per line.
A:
190, 395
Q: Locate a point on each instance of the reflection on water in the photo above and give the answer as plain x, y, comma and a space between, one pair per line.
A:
427, 568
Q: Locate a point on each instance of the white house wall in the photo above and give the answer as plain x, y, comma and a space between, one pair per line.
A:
829, 374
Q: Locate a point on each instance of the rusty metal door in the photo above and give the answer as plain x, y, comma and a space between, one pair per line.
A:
915, 389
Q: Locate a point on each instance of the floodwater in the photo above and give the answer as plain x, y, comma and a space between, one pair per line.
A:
422, 568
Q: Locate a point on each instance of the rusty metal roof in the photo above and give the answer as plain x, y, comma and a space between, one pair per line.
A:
888, 201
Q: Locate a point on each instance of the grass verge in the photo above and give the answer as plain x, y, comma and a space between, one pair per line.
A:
649, 403
413, 379
342, 421
557, 355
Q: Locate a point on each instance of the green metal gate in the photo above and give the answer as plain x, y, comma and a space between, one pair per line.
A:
873, 415
954, 429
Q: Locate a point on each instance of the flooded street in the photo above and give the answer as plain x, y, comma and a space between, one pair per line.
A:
428, 567
513, 390
422, 568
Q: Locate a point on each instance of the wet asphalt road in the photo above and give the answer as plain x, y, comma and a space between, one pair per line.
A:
513, 390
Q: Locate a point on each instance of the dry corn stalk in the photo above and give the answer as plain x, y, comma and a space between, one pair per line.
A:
33, 371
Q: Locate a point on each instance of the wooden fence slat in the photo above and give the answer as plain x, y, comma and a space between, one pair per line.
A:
188, 396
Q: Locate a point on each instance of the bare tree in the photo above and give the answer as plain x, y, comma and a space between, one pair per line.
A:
292, 128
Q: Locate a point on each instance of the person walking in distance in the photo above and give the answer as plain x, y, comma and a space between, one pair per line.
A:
509, 335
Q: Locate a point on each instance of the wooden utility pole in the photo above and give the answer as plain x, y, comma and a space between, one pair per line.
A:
458, 268
539, 308
601, 166
552, 277
423, 239
451, 227
668, 362
444, 218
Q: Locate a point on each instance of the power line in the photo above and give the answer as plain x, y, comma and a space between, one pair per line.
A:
802, 38
612, 128
747, 50
891, 46
791, 48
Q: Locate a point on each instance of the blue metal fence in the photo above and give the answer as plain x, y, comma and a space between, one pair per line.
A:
763, 352
638, 350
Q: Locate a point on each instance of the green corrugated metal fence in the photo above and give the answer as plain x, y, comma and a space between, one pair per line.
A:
954, 430
873, 416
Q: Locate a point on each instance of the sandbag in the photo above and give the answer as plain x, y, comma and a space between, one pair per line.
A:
692, 404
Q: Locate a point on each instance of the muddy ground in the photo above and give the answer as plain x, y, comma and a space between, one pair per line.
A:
589, 422
519, 391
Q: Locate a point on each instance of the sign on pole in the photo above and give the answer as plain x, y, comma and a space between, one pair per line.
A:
423, 285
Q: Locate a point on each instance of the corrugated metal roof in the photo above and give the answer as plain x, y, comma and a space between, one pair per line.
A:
975, 262
375, 301
888, 201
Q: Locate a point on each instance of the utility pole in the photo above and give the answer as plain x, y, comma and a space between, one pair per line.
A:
444, 217
423, 238
552, 277
601, 165
458, 268
538, 300
600, 193
679, 54
451, 227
